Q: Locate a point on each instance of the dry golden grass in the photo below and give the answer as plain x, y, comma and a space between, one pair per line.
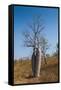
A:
48, 73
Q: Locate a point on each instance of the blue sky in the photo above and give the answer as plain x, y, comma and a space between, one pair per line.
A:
23, 15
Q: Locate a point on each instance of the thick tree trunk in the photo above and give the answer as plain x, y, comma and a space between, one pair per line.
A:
36, 63
33, 64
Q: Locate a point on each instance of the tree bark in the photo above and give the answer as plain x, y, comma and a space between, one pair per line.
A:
36, 63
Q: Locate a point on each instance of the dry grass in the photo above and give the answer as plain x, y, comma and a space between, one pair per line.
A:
48, 73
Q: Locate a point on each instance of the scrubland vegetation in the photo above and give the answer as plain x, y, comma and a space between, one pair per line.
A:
48, 72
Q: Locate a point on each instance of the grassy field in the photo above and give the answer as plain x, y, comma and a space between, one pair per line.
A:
48, 72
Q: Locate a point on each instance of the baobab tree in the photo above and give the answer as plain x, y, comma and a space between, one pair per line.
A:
32, 38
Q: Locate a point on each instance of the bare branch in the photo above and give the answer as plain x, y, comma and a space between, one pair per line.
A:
32, 35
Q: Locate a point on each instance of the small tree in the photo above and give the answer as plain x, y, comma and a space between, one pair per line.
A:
56, 50
44, 47
47, 55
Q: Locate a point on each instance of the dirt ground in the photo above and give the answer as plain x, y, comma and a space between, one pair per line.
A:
48, 72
